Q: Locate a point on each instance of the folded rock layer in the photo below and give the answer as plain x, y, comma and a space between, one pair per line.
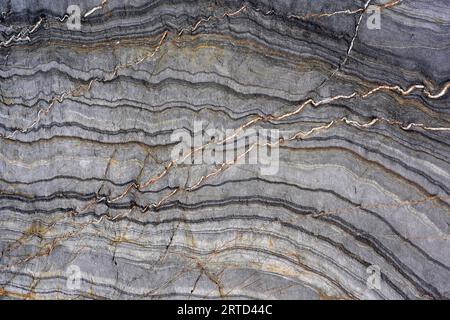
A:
93, 205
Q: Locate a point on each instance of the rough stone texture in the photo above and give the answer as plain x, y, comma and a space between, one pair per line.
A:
86, 119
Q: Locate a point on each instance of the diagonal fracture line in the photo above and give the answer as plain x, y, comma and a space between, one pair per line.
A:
86, 88
99, 7
299, 135
24, 35
387, 5
356, 33
172, 164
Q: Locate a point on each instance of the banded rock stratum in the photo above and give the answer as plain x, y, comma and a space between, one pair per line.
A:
88, 182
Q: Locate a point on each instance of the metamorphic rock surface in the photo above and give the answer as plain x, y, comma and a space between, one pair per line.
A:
93, 203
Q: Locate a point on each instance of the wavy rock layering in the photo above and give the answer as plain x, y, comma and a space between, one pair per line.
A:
87, 178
